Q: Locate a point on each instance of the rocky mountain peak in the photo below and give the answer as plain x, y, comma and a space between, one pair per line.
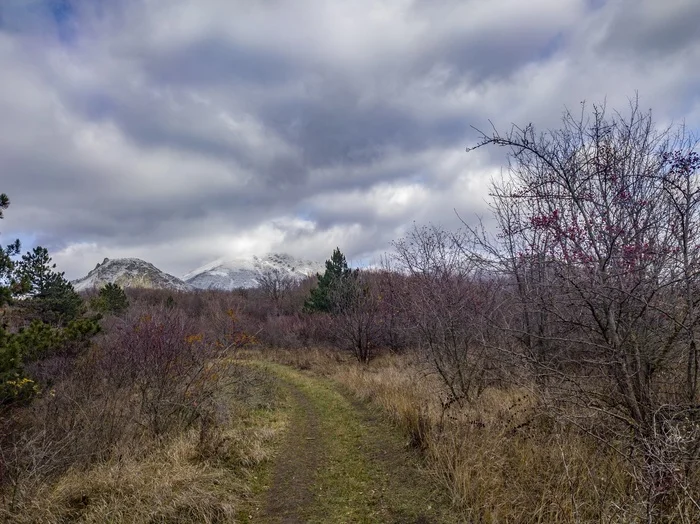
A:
129, 272
243, 272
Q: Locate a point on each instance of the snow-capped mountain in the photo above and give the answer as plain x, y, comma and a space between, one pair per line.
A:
240, 273
129, 272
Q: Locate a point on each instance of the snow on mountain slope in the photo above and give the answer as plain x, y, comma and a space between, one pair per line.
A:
129, 272
239, 273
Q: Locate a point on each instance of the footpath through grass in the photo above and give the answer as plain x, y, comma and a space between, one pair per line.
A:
342, 461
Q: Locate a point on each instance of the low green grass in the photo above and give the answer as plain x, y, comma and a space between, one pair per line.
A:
367, 474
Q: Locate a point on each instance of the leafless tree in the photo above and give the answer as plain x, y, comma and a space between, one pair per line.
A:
597, 234
392, 288
275, 282
355, 314
443, 301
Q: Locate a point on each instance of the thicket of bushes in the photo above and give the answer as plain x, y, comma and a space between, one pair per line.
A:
109, 380
161, 369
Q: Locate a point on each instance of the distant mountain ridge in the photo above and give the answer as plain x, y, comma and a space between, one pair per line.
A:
222, 274
129, 272
242, 273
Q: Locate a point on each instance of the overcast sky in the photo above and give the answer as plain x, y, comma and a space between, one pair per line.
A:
181, 131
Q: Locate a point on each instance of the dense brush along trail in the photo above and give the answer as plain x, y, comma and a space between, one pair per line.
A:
340, 460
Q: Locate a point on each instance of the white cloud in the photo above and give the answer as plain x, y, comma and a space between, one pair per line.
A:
181, 132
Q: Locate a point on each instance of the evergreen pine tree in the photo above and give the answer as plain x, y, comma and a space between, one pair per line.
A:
37, 269
323, 297
52, 300
111, 299
52, 296
8, 284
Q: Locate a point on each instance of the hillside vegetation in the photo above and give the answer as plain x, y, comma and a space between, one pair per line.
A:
541, 367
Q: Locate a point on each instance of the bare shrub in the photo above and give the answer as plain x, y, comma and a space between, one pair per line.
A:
275, 283
178, 480
595, 223
153, 375
443, 300
161, 356
355, 315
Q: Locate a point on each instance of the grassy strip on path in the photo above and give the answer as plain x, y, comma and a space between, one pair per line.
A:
362, 470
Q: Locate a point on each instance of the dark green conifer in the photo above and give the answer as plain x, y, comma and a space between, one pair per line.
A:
326, 297
111, 299
52, 297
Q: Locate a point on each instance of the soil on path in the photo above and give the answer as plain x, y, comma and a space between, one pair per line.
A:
342, 462
294, 473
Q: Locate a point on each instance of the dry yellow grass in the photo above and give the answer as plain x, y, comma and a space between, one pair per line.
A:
172, 484
206, 474
500, 459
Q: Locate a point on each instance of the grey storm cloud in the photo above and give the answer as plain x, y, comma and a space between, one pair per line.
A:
184, 131
652, 29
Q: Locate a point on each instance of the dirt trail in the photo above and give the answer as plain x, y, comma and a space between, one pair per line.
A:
342, 462
290, 494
